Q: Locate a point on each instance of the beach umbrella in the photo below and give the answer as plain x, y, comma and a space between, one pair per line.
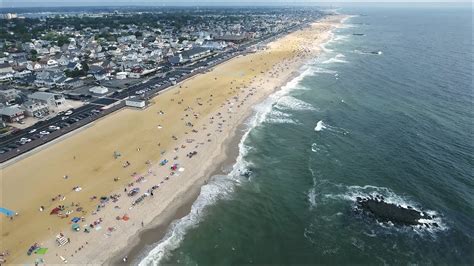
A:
75, 227
7, 212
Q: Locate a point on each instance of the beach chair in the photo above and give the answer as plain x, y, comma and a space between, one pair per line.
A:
61, 240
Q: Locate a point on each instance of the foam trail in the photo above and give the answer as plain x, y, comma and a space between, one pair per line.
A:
368, 52
320, 126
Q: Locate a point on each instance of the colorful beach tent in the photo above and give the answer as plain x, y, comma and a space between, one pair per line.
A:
7, 212
55, 211
41, 251
75, 227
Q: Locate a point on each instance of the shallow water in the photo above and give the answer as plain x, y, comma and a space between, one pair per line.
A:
396, 123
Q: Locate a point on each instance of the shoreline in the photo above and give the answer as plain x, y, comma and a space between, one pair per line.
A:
142, 243
176, 195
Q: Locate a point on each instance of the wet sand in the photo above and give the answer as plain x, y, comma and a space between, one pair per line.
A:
197, 115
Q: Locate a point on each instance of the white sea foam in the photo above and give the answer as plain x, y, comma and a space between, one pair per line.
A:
352, 192
319, 148
324, 47
321, 70
347, 26
291, 103
312, 197
340, 38
336, 59
320, 126
278, 117
220, 187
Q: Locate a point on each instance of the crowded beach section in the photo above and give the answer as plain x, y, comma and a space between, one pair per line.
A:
83, 198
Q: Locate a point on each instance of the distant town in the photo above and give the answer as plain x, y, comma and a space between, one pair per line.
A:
60, 71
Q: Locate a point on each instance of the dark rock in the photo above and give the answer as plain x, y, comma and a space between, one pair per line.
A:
389, 212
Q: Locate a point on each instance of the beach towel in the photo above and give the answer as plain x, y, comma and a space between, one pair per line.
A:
41, 251
7, 212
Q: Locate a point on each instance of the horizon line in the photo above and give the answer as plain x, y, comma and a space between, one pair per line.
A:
223, 4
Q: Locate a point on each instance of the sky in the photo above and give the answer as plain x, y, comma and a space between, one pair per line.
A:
48, 3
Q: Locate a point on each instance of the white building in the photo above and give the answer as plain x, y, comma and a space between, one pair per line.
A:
121, 75
99, 90
135, 102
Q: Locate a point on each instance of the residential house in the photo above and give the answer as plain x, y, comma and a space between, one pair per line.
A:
35, 108
53, 100
12, 114
5, 68
33, 66
8, 96
74, 82
98, 72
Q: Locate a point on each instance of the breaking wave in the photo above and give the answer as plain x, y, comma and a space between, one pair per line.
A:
340, 38
352, 192
336, 59
291, 103
278, 117
320, 126
320, 70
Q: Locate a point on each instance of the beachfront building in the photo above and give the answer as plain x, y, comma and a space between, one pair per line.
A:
12, 114
136, 102
35, 109
196, 53
53, 100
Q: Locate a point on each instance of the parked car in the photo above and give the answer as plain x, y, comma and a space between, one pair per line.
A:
32, 131
54, 127
44, 132
69, 112
25, 140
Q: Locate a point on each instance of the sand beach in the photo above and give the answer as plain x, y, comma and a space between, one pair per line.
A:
135, 169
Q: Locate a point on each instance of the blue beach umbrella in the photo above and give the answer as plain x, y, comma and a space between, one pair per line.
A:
7, 212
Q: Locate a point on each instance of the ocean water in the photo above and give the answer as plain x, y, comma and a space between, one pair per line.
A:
396, 122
